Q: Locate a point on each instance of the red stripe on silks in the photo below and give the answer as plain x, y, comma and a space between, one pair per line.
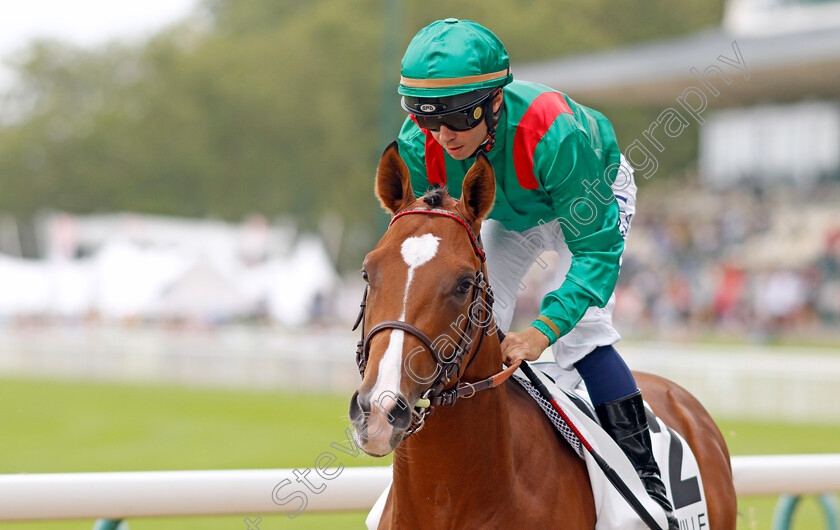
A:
532, 127
435, 164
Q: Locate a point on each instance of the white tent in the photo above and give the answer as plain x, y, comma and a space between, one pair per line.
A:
25, 287
202, 293
289, 285
129, 280
157, 270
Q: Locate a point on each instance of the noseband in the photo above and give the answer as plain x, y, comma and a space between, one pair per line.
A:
448, 366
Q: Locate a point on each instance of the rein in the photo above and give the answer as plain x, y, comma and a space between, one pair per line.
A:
448, 367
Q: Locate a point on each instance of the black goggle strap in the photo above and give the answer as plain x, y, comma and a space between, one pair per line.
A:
492, 118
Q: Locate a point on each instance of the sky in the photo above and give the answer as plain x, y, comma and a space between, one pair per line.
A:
82, 22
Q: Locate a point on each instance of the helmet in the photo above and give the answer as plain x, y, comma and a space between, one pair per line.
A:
450, 74
451, 57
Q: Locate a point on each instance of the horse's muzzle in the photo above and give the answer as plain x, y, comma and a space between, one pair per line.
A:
379, 424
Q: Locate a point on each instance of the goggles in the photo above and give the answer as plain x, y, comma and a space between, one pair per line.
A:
459, 113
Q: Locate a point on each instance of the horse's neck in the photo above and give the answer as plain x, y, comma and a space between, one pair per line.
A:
465, 449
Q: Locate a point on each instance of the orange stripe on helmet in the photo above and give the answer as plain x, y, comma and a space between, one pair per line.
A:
453, 81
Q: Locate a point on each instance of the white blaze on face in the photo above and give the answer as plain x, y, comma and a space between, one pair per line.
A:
416, 251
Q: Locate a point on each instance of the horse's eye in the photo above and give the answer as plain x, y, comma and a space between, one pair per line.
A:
364, 275
464, 287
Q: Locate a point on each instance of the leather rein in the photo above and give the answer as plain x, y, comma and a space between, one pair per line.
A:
448, 366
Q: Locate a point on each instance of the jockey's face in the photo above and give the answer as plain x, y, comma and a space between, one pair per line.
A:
462, 144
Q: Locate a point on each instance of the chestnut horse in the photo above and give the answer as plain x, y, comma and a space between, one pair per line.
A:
494, 460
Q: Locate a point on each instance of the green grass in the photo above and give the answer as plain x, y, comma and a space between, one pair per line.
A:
70, 427
80, 427
62, 427
762, 438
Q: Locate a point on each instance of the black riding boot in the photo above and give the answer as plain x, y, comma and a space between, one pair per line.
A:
625, 421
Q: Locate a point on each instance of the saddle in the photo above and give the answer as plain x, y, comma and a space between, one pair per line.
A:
677, 463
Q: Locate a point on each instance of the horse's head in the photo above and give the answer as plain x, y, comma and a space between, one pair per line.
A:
426, 305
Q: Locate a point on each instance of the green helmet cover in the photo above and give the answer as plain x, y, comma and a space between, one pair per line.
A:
451, 57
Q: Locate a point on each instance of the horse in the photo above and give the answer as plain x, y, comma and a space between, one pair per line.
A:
492, 460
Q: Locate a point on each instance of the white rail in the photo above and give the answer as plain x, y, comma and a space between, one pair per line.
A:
250, 492
793, 474
175, 493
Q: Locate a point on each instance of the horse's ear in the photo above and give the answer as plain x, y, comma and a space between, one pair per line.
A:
479, 190
393, 184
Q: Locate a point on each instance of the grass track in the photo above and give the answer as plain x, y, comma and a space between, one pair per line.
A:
54, 426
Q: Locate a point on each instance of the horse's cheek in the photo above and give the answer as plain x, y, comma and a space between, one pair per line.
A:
441, 497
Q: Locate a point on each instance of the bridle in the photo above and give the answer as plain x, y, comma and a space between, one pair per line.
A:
448, 367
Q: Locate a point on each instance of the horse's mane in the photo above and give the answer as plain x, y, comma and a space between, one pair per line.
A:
435, 197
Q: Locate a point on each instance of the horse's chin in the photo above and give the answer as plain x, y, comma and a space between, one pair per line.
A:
376, 455
378, 446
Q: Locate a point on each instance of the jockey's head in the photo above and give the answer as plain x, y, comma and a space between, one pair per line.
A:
451, 82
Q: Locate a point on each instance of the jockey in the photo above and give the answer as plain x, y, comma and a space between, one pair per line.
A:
561, 185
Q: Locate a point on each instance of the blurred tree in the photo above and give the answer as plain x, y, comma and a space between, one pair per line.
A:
269, 106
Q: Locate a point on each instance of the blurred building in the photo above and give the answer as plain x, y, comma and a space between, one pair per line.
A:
764, 87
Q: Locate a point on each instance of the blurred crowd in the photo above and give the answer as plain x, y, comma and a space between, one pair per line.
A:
742, 263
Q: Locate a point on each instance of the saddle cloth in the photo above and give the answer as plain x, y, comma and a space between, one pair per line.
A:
677, 464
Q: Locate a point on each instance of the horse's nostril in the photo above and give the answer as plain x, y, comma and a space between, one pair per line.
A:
359, 406
362, 400
400, 416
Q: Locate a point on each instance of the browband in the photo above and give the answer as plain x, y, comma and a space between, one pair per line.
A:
452, 215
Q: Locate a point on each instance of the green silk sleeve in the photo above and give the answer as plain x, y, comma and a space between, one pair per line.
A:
411, 143
587, 214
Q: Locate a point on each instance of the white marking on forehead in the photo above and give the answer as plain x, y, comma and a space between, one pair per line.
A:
419, 250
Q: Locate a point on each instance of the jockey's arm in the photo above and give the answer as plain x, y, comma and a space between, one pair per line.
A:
588, 215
